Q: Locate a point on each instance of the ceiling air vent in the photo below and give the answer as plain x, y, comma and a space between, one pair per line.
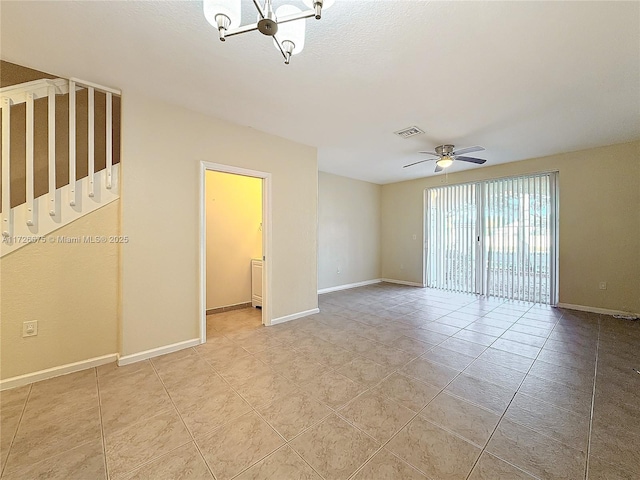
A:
408, 132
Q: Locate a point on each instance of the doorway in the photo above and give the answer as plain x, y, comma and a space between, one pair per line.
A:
235, 227
495, 238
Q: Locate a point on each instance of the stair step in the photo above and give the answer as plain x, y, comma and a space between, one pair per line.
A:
45, 225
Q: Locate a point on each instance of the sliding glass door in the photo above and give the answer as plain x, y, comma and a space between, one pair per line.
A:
496, 238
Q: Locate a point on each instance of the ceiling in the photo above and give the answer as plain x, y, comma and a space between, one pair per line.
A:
522, 79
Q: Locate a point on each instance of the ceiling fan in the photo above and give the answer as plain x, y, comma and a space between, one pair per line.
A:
446, 156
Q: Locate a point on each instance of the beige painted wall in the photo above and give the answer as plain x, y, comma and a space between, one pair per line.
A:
599, 223
71, 289
163, 146
234, 236
348, 230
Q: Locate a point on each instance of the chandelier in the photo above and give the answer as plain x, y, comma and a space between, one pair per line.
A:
283, 25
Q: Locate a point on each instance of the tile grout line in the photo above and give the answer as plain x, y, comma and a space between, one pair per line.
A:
104, 440
154, 459
50, 421
254, 410
417, 414
384, 444
420, 411
546, 402
287, 443
593, 402
155, 371
15, 434
505, 412
334, 411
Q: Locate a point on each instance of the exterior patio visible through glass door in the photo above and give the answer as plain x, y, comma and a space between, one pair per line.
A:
496, 237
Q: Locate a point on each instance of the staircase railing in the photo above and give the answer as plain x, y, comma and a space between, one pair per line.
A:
34, 219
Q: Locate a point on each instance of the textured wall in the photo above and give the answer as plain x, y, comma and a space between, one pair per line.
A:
599, 223
164, 146
348, 230
71, 289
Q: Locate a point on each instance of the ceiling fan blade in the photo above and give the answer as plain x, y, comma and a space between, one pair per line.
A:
439, 168
416, 163
471, 159
430, 153
462, 151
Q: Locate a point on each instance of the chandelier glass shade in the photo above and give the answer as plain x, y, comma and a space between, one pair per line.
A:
286, 25
290, 32
231, 9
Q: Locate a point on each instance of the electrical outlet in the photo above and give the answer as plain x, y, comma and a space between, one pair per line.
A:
30, 329
338, 270
603, 285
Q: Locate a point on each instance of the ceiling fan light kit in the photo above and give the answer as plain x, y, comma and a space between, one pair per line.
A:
444, 162
286, 25
447, 154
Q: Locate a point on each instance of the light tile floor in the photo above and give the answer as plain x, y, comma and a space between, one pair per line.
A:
387, 382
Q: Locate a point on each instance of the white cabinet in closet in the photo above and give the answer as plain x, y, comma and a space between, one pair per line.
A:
256, 283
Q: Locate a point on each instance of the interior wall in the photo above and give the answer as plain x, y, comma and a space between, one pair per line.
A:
164, 146
71, 289
233, 206
599, 223
348, 230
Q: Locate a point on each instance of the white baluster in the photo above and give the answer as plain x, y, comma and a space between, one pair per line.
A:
7, 213
52, 151
29, 151
72, 143
109, 139
91, 135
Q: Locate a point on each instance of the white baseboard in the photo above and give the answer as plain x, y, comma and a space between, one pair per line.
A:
28, 378
294, 316
604, 311
402, 282
348, 286
156, 352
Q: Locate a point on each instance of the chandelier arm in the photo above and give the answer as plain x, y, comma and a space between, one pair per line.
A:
243, 29
259, 8
254, 26
280, 47
296, 16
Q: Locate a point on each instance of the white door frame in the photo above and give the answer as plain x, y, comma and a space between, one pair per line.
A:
425, 238
266, 240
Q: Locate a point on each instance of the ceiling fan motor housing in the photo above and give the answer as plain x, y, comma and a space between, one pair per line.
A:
444, 150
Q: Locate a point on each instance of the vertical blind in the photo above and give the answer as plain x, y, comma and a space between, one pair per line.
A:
451, 234
496, 238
